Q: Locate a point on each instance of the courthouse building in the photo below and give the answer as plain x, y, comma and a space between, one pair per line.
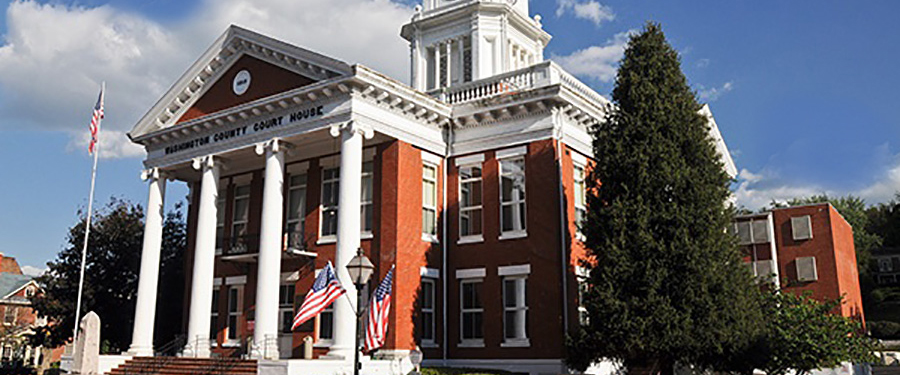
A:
470, 180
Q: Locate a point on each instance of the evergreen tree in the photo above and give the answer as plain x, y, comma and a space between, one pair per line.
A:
667, 284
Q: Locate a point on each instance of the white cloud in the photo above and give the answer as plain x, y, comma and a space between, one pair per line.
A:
702, 63
590, 10
33, 271
597, 62
885, 188
757, 190
54, 57
714, 93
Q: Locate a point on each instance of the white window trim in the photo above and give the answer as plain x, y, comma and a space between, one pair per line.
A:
431, 343
515, 233
469, 160
240, 311
221, 204
471, 238
516, 270
471, 273
510, 153
301, 218
282, 308
234, 221
331, 238
364, 203
463, 342
579, 164
427, 164
431, 273
515, 342
15, 315
214, 315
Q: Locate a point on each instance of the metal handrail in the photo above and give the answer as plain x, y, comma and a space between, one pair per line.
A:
161, 358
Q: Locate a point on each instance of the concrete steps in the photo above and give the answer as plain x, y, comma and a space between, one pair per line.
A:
185, 366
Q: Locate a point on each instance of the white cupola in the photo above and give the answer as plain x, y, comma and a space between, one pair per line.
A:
458, 41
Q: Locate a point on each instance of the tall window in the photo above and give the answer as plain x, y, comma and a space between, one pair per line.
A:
326, 323
515, 310
214, 316
330, 190
366, 197
241, 213
512, 195
429, 200
427, 305
472, 312
580, 195
286, 307
296, 210
470, 203
220, 218
234, 312
9, 316
582, 276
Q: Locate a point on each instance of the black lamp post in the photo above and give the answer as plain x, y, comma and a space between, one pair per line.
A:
360, 269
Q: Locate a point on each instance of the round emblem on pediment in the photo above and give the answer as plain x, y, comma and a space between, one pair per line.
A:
241, 82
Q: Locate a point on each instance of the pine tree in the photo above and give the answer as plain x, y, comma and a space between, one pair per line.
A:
667, 285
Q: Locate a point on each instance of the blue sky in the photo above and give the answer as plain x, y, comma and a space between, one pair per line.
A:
804, 92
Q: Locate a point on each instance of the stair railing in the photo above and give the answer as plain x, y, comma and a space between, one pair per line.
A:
162, 356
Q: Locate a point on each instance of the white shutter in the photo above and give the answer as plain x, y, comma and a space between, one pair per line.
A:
760, 231
806, 269
801, 228
765, 269
743, 233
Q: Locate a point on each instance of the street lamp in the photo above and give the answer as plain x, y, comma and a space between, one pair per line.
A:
360, 270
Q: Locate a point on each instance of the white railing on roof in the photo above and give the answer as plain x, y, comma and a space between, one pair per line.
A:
539, 75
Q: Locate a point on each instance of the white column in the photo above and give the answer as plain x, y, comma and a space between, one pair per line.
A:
449, 62
265, 332
462, 58
204, 259
145, 311
348, 229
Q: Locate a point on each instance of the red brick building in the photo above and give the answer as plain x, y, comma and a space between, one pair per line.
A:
19, 319
804, 249
469, 181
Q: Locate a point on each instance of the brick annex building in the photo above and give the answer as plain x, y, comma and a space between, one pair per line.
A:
470, 181
804, 249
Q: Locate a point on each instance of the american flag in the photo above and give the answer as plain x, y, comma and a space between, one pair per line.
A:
95, 122
324, 291
379, 310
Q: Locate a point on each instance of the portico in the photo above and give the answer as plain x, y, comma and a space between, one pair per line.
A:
333, 116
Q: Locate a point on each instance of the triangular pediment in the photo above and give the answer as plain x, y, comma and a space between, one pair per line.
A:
248, 79
266, 67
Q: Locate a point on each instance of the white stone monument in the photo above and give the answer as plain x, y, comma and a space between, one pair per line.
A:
87, 347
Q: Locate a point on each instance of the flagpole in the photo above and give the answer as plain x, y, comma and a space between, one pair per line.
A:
87, 227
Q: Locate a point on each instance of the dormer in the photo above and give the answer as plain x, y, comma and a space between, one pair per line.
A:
458, 41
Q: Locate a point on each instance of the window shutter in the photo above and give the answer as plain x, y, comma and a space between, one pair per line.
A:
806, 269
801, 228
